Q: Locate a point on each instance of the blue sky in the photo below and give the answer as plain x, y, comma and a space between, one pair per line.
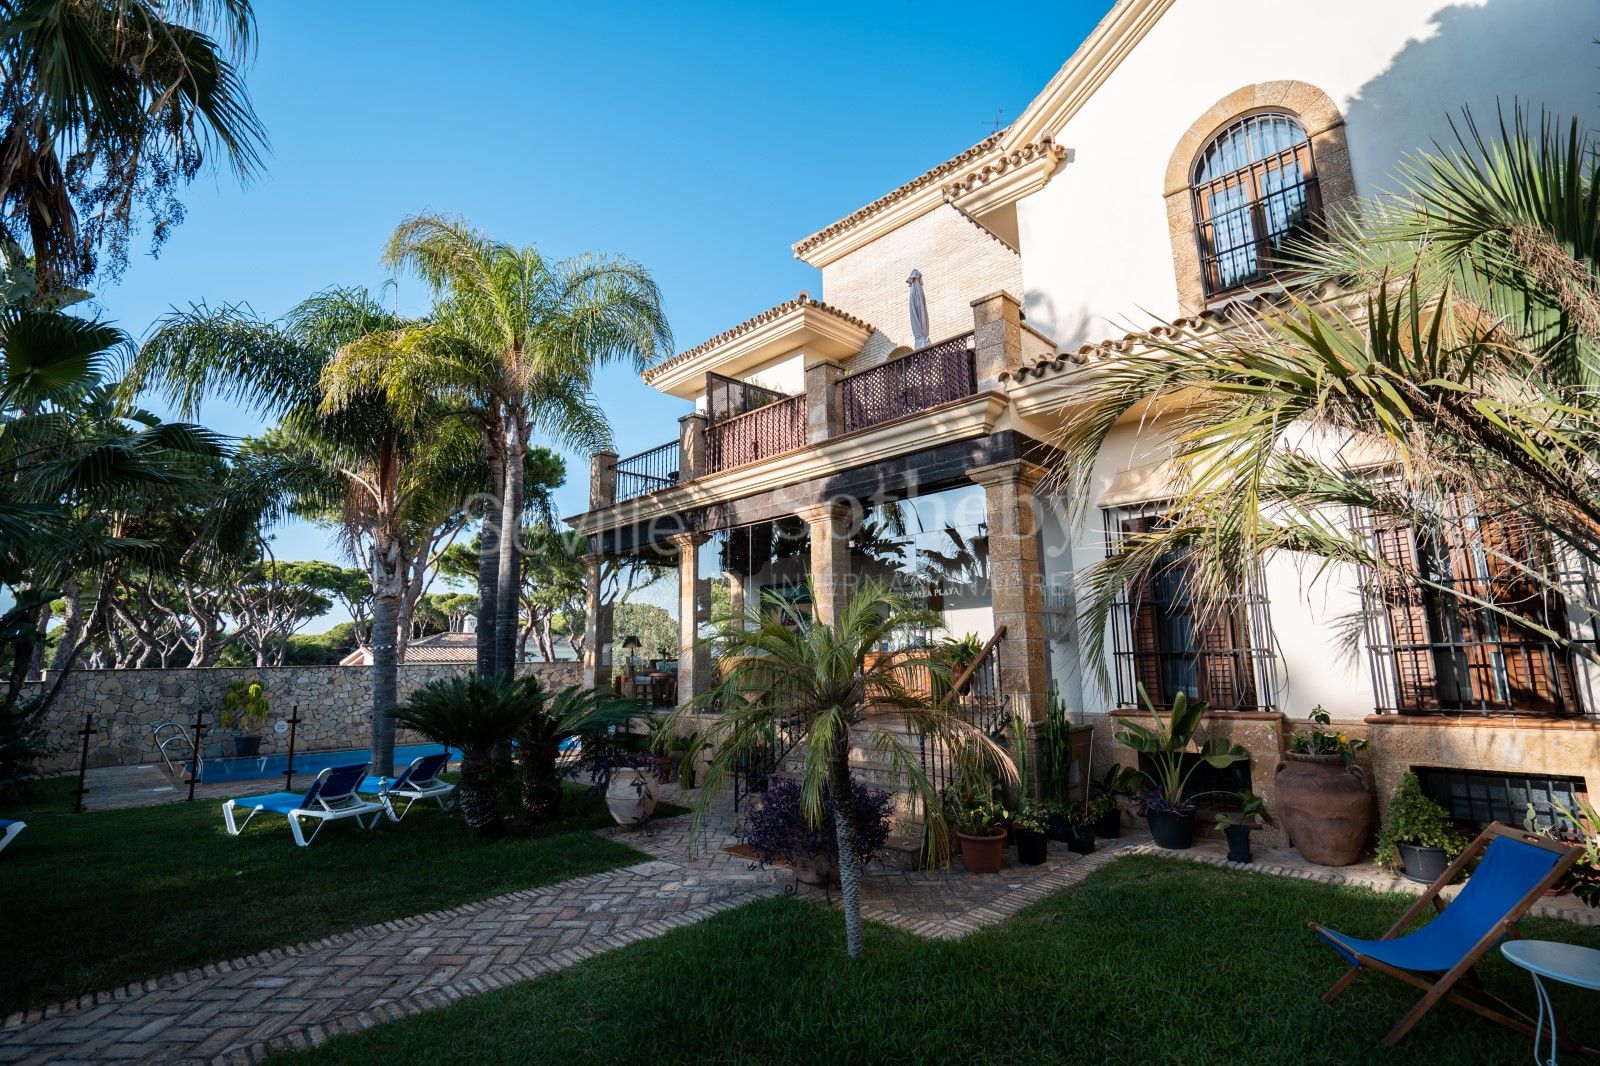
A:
701, 140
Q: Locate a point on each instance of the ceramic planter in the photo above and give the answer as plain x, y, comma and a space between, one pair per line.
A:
1238, 843
1326, 807
1175, 832
982, 854
631, 796
1423, 865
1033, 847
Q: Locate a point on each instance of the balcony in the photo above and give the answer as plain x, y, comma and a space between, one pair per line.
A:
649, 471
914, 382
743, 423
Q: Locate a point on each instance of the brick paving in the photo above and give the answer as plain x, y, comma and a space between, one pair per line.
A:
239, 1011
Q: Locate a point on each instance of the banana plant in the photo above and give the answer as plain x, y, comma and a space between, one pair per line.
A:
1168, 743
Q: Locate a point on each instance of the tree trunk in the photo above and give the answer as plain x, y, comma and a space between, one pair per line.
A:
844, 828
541, 788
71, 624
476, 795
508, 598
489, 561
385, 673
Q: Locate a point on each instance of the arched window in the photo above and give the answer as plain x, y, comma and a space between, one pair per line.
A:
1255, 188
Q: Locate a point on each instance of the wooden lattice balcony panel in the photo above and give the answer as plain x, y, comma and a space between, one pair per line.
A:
759, 434
928, 377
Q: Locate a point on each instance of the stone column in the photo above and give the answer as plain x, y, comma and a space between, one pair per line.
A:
602, 480
1016, 579
997, 337
694, 447
736, 592
830, 557
597, 626
695, 669
824, 405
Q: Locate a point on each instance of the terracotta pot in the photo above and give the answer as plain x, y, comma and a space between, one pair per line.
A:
1326, 807
814, 869
631, 796
982, 855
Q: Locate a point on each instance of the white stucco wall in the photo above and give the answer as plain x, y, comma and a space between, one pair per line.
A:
1096, 254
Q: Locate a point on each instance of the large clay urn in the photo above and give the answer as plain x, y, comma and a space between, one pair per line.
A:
1325, 806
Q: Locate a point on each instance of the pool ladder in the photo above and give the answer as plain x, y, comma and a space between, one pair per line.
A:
175, 734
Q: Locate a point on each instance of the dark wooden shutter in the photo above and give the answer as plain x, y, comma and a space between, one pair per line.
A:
1226, 671
1410, 643
1142, 620
1539, 674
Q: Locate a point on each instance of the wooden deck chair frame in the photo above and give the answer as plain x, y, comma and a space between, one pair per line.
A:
1474, 998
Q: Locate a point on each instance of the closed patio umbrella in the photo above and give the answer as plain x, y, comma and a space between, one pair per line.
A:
919, 311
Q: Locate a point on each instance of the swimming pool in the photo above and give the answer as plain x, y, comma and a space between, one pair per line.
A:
261, 767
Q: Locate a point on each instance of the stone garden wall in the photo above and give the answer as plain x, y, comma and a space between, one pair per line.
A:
335, 706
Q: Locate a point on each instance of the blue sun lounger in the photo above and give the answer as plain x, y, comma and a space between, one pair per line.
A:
331, 797
419, 781
9, 830
1516, 869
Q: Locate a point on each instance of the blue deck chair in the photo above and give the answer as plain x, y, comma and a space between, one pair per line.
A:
1516, 870
419, 781
9, 830
332, 796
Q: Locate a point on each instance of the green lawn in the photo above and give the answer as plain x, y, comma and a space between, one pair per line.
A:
1148, 961
94, 901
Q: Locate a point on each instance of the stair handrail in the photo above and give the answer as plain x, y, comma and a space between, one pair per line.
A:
964, 678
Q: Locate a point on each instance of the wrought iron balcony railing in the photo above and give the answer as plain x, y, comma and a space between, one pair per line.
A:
759, 434
649, 471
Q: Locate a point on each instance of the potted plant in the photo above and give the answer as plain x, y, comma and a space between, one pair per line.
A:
1583, 832
1175, 750
245, 706
1252, 815
1322, 794
1417, 836
1028, 826
778, 829
1077, 824
1118, 781
980, 826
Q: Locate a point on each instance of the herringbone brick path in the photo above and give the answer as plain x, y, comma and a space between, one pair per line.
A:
238, 1011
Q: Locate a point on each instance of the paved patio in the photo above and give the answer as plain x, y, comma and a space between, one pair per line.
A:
241, 1010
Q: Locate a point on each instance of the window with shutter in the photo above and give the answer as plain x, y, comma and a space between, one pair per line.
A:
1162, 644
1448, 647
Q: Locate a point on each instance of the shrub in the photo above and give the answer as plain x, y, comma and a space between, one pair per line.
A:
1416, 819
776, 826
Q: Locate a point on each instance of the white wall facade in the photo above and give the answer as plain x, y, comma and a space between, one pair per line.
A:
1097, 255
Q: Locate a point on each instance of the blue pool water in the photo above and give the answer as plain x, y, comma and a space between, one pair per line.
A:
260, 767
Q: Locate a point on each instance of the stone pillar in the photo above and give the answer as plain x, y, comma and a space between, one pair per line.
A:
694, 447
1016, 580
997, 337
602, 480
695, 669
830, 557
824, 404
736, 592
597, 626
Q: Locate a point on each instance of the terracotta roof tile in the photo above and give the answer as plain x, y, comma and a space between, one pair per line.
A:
921, 181
1177, 329
803, 300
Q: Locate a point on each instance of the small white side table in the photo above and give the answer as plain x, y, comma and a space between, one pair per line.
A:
1567, 963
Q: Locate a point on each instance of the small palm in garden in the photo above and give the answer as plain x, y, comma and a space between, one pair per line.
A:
551, 719
476, 715
821, 681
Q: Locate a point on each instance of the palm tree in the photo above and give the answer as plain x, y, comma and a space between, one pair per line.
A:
514, 341
348, 451
476, 715
551, 719
108, 106
822, 684
1449, 330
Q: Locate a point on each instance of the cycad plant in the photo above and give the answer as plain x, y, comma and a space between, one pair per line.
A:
784, 672
551, 719
475, 715
1445, 337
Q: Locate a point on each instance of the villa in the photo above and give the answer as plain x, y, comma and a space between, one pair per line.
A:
1139, 195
